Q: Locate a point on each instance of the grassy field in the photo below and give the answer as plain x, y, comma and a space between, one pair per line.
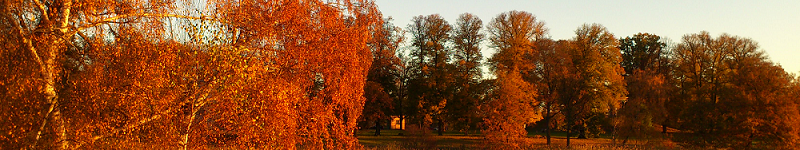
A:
399, 139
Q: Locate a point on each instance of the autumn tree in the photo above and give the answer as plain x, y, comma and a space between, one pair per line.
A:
742, 95
643, 51
404, 77
554, 77
429, 87
385, 72
386, 65
599, 84
646, 62
645, 105
296, 79
317, 47
513, 34
378, 104
47, 38
466, 38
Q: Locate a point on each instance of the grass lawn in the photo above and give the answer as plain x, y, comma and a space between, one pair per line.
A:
390, 139
449, 140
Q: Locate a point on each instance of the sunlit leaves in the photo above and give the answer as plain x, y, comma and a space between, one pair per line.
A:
121, 72
743, 96
514, 34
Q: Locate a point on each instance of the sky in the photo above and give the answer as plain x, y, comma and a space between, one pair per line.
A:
774, 24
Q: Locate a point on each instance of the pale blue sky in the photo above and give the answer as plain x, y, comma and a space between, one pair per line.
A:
774, 24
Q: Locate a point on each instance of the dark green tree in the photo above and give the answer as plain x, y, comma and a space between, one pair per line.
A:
643, 51
646, 62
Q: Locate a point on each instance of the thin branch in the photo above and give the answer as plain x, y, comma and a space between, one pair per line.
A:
44, 123
66, 8
43, 10
113, 19
126, 127
21, 25
140, 122
27, 41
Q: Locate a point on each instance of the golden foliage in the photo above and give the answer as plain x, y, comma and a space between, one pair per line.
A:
280, 74
512, 105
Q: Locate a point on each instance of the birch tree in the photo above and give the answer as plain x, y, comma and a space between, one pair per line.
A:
97, 69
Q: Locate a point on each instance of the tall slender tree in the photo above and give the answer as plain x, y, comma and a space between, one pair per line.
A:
466, 39
553, 76
430, 87
513, 34
386, 72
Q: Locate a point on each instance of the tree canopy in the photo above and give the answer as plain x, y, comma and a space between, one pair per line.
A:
307, 74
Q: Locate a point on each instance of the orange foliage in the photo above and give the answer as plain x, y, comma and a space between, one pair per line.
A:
733, 95
511, 107
279, 74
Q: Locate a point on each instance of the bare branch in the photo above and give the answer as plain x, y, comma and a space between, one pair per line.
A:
113, 19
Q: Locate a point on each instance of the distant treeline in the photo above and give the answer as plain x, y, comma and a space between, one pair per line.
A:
716, 91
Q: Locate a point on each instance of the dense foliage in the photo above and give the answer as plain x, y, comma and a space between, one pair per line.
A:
288, 74
160, 74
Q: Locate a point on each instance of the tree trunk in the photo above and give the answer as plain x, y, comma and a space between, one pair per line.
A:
378, 127
61, 130
51, 98
184, 141
569, 131
582, 132
614, 125
50, 64
664, 126
547, 123
441, 127
47, 70
569, 124
625, 140
466, 128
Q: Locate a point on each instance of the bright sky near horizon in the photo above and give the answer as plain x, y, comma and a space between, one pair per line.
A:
774, 24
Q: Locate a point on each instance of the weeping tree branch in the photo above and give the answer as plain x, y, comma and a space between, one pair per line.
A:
126, 127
